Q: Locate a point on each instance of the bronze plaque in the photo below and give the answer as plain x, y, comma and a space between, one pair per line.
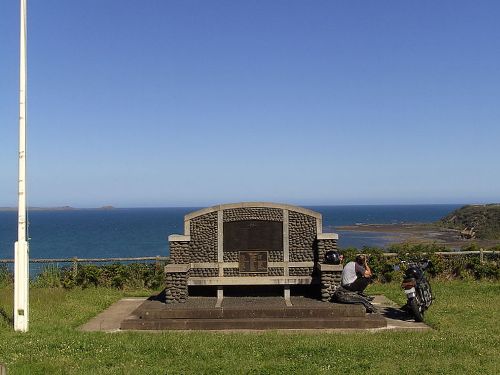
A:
253, 235
253, 261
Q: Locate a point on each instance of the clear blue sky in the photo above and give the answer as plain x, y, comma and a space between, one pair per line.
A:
163, 103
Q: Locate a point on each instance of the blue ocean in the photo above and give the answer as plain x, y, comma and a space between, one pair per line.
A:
139, 232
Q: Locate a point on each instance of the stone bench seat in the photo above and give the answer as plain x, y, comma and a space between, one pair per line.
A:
250, 280
221, 281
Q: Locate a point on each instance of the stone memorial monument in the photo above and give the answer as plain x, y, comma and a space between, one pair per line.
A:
247, 247
249, 244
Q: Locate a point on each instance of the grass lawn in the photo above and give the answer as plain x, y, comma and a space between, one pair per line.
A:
466, 339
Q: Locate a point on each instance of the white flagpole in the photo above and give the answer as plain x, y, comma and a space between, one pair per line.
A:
21, 248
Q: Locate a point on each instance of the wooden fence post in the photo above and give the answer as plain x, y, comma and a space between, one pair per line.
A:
75, 267
481, 255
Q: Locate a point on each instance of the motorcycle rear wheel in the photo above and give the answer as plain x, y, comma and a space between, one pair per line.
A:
417, 312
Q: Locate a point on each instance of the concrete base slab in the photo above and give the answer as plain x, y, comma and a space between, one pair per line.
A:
250, 313
112, 318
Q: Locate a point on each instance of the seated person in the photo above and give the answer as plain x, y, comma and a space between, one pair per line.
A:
356, 275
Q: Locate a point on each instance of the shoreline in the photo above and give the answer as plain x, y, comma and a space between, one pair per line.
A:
423, 233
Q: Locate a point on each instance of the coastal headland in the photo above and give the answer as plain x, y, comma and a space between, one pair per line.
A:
418, 233
478, 224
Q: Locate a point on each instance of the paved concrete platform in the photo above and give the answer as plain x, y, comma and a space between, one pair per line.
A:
250, 313
112, 318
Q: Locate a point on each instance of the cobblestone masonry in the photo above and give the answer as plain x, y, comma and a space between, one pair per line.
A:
271, 271
272, 256
204, 272
177, 289
238, 214
231, 256
329, 283
180, 252
228, 272
302, 237
203, 248
203, 244
301, 271
275, 256
324, 246
276, 271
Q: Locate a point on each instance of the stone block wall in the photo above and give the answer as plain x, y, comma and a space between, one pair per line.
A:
330, 276
275, 256
302, 236
204, 272
231, 272
301, 271
271, 271
203, 231
203, 244
180, 252
176, 290
231, 256
253, 213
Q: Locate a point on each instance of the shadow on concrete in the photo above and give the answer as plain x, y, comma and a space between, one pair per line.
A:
396, 314
245, 291
158, 297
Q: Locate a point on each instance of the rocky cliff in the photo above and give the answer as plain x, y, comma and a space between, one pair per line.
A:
481, 220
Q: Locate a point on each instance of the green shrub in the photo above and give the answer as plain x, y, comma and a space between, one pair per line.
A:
50, 277
88, 275
117, 275
6, 277
489, 270
464, 266
67, 279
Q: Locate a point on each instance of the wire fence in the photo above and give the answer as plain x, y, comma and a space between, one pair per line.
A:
38, 265
482, 254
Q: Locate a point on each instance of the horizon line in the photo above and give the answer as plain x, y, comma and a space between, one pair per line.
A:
110, 207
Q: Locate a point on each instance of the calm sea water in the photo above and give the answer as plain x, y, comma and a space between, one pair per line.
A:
135, 232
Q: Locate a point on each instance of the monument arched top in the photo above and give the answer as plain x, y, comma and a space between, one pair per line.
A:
229, 206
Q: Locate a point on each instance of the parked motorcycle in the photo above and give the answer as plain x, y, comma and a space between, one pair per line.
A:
417, 289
